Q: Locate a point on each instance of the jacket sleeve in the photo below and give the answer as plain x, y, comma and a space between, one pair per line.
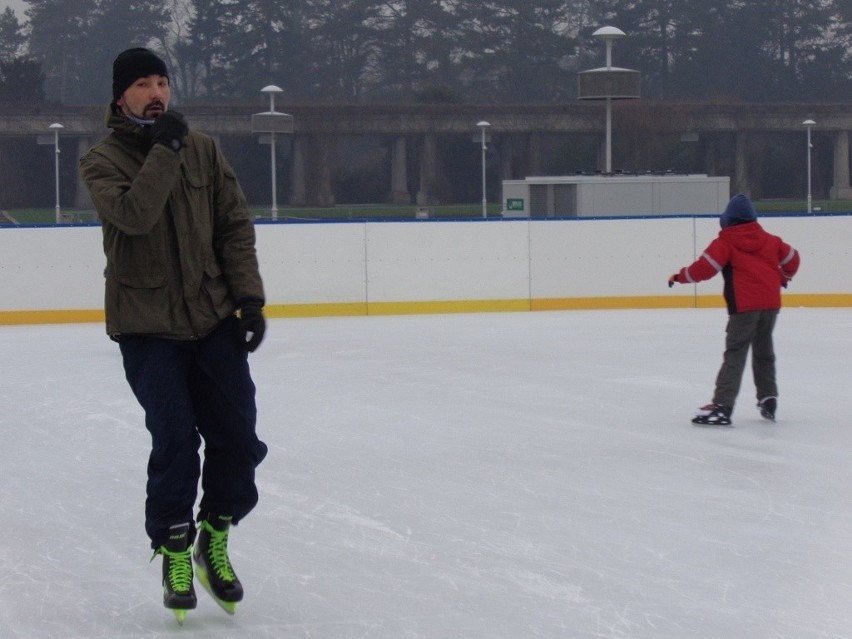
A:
788, 261
133, 204
234, 234
712, 261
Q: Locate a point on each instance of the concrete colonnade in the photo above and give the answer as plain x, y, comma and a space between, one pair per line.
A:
516, 155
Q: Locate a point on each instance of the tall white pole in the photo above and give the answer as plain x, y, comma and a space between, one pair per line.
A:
272, 160
809, 124
608, 135
484, 199
274, 185
269, 124
56, 126
810, 202
608, 162
482, 126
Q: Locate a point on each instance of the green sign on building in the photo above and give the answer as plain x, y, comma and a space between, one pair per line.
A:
515, 204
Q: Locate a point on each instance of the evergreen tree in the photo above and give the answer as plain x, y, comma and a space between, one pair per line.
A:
344, 40
12, 38
77, 40
113, 27
472, 50
200, 54
420, 48
57, 39
725, 49
263, 42
516, 51
21, 82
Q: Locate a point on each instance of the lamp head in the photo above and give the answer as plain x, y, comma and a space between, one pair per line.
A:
608, 34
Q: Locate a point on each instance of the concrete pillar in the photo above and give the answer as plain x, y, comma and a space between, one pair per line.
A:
505, 154
533, 154
82, 200
325, 194
399, 172
710, 146
297, 175
426, 195
841, 190
741, 182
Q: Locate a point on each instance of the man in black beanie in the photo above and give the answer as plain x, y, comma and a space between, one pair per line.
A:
184, 301
132, 64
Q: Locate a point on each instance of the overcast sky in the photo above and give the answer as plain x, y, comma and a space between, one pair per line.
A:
18, 5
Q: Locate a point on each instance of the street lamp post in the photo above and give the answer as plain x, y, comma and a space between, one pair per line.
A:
268, 124
271, 90
55, 127
809, 124
483, 125
608, 35
608, 83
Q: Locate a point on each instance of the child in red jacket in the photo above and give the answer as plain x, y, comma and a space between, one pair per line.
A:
754, 265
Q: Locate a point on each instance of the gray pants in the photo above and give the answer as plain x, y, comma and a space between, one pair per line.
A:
744, 330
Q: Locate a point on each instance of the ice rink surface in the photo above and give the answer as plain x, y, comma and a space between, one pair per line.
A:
512, 475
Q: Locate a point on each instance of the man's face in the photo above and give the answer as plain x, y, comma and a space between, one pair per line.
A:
147, 97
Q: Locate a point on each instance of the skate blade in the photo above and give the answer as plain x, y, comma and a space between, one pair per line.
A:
699, 420
180, 615
228, 606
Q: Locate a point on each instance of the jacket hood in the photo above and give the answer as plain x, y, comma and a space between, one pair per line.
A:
745, 237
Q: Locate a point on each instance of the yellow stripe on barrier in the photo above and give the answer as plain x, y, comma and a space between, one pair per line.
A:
810, 300
818, 300
51, 317
315, 310
626, 302
442, 307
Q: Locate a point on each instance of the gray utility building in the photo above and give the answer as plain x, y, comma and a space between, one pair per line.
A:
614, 194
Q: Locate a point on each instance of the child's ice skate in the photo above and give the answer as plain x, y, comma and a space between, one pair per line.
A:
713, 415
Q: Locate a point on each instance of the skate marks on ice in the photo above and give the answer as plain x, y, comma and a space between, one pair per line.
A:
478, 476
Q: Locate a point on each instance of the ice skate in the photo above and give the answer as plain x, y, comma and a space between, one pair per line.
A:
713, 415
178, 591
767, 407
213, 566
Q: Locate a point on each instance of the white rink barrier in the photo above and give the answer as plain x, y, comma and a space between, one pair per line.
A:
55, 273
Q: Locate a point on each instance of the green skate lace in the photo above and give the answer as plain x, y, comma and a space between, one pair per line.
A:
180, 568
217, 550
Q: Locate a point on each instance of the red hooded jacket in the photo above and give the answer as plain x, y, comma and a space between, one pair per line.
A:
754, 264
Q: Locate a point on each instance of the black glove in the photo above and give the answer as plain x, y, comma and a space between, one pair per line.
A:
672, 280
251, 325
169, 129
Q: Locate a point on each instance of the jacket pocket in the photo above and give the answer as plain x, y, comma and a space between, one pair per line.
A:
142, 303
217, 289
197, 190
196, 179
142, 280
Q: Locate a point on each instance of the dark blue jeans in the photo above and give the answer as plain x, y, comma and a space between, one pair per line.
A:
192, 390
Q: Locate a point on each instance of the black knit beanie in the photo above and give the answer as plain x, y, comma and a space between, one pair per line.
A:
132, 64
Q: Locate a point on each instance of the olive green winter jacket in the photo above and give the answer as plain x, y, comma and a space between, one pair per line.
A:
178, 238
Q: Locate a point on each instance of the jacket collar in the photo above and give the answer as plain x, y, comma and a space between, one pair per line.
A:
126, 129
